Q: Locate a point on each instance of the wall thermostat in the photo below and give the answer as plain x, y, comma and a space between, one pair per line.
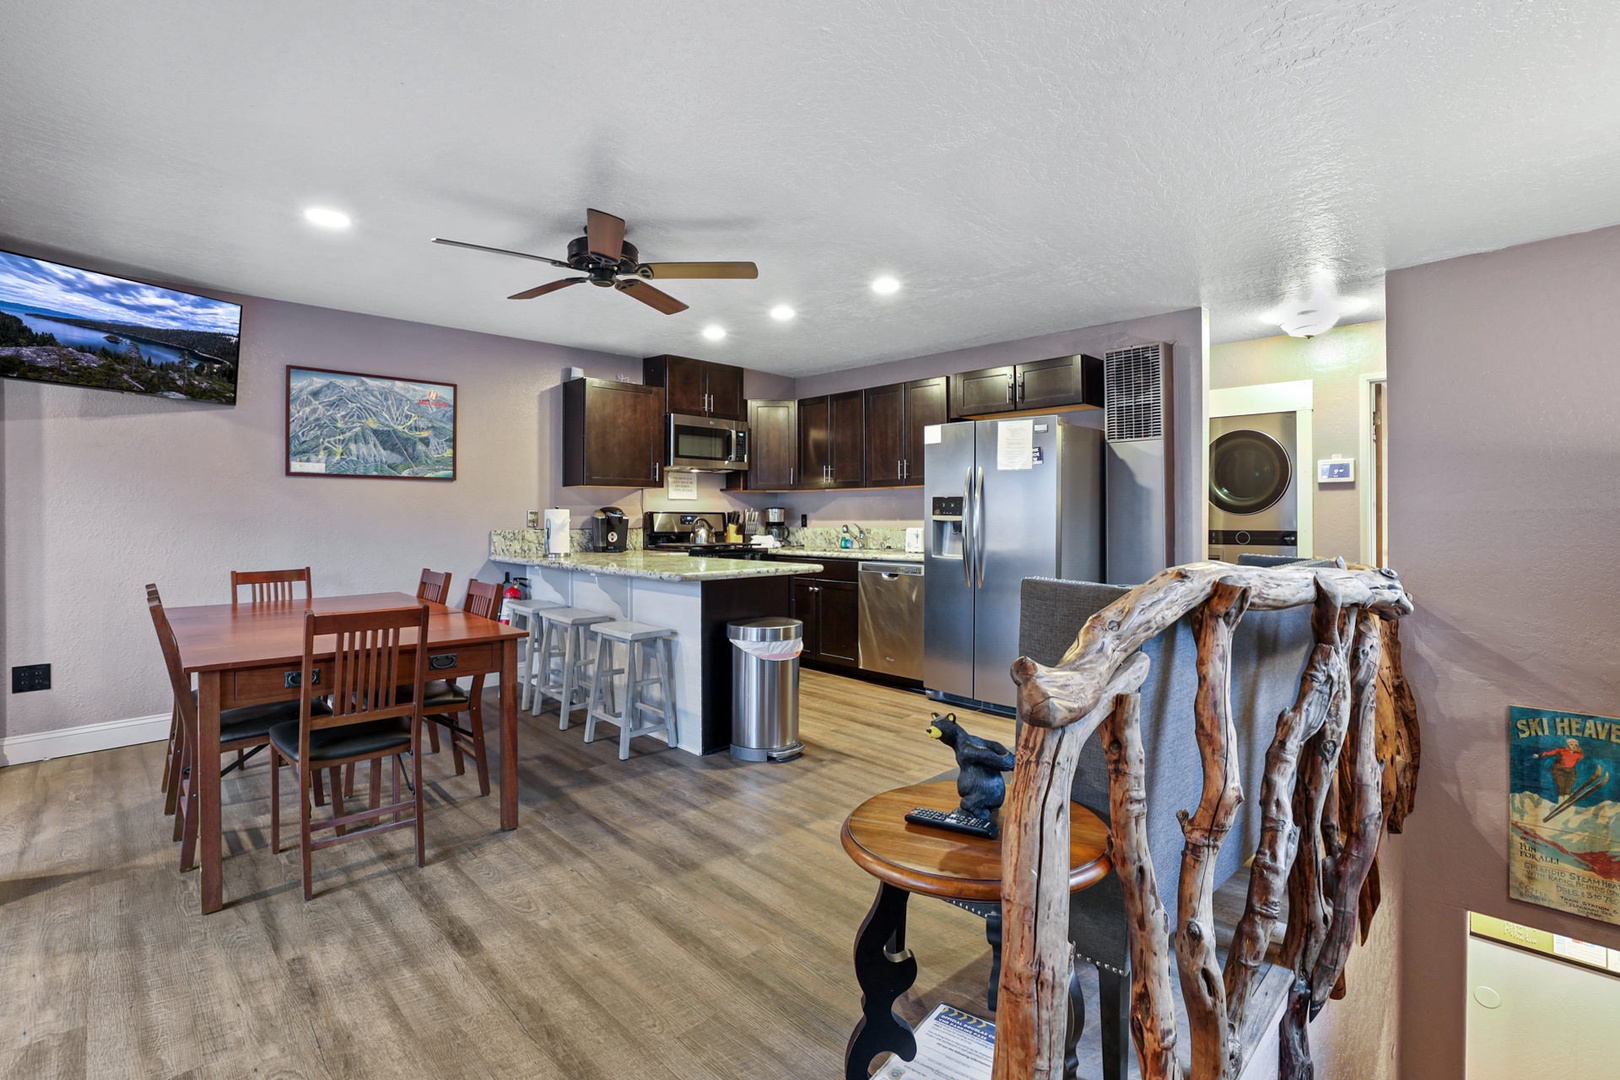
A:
1336, 471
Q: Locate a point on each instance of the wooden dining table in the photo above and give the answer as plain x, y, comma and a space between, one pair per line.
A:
252, 653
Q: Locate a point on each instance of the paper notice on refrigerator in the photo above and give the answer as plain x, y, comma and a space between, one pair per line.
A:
932, 433
681, 485
1015, 444
951, 1045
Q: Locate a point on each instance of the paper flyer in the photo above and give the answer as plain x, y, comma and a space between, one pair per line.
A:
1015, 444
681, 485
951, 1045
1564, 811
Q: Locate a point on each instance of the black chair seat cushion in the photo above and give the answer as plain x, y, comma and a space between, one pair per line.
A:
252, 723
438, 695
374, 738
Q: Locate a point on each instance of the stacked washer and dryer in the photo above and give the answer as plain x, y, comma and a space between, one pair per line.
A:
1253, 486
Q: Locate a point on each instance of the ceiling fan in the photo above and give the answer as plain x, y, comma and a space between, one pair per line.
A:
606, 259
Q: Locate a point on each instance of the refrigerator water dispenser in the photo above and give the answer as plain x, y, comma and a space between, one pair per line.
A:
946, 532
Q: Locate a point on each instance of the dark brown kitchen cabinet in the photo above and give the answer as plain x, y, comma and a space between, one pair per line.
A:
773, 447
696, 387
612, 434
1062, 382
974, 393
828, 604
895, 418
832, 440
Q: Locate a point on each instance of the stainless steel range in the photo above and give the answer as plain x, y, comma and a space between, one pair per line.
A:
679, 533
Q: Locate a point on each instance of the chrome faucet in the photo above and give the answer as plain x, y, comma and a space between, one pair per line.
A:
858, 535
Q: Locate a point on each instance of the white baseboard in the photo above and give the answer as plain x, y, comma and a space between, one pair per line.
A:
108, 735
43, 745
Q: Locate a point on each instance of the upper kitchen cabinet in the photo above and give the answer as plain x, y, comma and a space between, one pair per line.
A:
1063, 382
696, 387
832, 440
895, 418
773, 448
612, 434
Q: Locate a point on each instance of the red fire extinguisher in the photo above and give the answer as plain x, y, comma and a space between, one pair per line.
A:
509, 594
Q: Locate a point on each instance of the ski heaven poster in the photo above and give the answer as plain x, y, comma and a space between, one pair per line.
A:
1564, 811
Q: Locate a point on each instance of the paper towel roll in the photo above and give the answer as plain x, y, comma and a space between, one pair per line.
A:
556, 525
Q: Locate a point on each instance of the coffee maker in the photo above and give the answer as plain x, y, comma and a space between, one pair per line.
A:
776, 522
609, 532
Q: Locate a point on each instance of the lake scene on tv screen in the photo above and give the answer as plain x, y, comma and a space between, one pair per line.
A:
65, 325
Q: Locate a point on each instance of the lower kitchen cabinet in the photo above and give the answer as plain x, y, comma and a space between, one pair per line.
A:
829, 605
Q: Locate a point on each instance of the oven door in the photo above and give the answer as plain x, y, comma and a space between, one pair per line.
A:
704, 444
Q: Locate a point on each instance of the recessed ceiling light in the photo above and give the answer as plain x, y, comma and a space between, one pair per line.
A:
326, 217
782, 313
714, 332
885, 286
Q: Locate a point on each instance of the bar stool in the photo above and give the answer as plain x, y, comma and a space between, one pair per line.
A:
645, 647
563, 639
528, 648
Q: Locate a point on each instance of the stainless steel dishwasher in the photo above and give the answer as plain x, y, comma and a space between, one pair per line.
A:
891, 599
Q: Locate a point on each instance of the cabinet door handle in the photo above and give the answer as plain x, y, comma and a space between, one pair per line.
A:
1009, 388
790, 476
655, 471
1020, 388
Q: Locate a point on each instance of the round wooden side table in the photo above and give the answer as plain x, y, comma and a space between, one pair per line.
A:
959, 869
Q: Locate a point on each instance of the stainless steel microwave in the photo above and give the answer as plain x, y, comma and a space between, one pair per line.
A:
706, 444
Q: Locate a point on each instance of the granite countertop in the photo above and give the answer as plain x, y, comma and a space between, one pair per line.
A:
660, 565
879, 554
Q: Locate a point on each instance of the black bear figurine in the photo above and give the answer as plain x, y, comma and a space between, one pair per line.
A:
981, 763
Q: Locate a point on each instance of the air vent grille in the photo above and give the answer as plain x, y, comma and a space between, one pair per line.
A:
1133, 393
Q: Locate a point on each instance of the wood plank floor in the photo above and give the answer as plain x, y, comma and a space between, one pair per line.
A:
667, 916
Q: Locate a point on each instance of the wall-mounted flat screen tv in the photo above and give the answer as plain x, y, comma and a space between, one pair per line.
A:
61, 324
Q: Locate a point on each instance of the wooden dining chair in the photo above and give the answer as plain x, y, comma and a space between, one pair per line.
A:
363, 716
247, 727
269, 586
434, 586
446, 701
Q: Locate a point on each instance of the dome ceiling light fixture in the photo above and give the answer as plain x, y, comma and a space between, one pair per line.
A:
1316, 314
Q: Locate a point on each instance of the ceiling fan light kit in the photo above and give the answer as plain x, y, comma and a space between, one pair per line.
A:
606, 259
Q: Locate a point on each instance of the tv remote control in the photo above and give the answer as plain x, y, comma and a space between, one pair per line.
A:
955, 821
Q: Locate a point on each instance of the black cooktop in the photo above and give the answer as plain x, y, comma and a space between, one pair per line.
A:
710, 550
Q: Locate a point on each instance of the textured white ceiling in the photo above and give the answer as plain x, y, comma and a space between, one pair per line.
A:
1023, 168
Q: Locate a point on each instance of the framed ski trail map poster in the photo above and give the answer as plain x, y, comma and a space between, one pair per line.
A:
343, 423
1564, 811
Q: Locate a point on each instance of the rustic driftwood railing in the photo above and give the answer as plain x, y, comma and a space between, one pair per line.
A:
1341, 767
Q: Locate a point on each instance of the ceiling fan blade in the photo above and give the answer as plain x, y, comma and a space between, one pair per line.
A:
698, 270
500, 251
605, 234
650, 296
541, 290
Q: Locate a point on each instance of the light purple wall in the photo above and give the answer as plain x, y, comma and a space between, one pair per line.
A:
1504, 513
105, 492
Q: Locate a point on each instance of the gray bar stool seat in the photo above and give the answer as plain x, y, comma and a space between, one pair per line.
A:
527, 612
562, 663
648, 663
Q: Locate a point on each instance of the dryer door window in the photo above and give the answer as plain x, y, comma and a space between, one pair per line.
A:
1248, 472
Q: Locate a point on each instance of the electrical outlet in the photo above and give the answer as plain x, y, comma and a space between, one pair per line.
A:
30, 677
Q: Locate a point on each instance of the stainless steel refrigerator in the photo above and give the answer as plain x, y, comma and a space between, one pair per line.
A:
1005, 500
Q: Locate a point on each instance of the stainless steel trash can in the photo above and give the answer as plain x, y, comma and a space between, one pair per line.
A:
765, 688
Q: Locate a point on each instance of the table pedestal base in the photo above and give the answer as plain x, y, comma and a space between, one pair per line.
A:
886, 969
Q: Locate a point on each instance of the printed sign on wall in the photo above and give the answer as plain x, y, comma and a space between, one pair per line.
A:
1564, 811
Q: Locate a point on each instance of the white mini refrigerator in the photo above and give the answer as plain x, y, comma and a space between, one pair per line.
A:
1005, 500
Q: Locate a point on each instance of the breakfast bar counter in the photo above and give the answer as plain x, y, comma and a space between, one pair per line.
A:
695, 597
